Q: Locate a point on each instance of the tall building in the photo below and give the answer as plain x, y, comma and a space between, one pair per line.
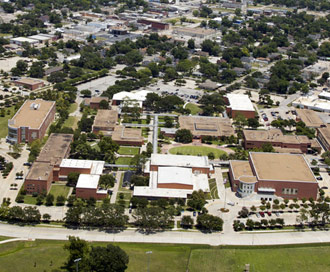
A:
31, 121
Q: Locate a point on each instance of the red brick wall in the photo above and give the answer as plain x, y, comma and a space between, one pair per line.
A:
259, 144
175, 186
39, 185
88, 193
247, 114
64, 171
123, 142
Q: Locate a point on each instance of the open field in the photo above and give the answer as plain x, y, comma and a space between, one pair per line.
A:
71, 122
73, 107
49, 256
124, 160
196, 150
127, 150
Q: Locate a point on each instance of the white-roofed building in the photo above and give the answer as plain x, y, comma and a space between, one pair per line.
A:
21, 40
312, 102
88, 187
81, 166
175, 176
239, 104
134, 98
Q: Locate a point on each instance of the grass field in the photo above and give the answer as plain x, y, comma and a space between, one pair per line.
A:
73, 107
196, 150
194, 109
124, 160
49, 256
4, 121
71, 122
128, 150
58, 190
213, 189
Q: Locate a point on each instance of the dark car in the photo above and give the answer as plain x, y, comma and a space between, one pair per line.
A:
262, 214
269, 213
27, 164
319, 178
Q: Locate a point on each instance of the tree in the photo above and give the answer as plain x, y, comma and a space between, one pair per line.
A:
107, 181
78, 249
250, 224
183, 136
197, 200
50, 200
244, 212
267, 147
187, 221
46, 217
37, 70
253, 123
104, 104
72, 179
191, 44
133, 57
209, 222
110, 258
60, 200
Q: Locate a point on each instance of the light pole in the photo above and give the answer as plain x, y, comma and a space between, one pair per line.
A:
77, 263
148, 253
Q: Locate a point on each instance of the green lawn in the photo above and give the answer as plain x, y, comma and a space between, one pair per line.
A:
58, 190
48, 255
73, 107
194, 109
197, 150
4, 121
71, 122
213, 189
2, 238
128, 150
124, 160
226, 176
29, 199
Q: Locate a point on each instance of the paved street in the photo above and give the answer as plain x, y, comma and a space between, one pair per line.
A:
181, 237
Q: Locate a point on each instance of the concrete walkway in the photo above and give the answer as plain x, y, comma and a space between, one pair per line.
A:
179, 237
115, 188
13, 240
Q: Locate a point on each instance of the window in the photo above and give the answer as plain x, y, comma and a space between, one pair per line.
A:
289, 191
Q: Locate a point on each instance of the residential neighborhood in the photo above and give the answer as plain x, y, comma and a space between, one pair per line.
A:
151, 124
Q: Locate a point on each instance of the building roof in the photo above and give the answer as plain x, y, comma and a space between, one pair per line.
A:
56, 148
28, 81
207, 126
39, 171
179, 175
134, 95
86, 181
95, 166
197, 30
31, 114
240, 102
40, 37
309, 117
180, 160
98, 99
240, 168
281, 167
209, 85
23, 39
274, 136
325, 132
106, 119
126, 134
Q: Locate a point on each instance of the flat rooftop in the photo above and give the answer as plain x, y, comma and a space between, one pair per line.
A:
31, 114
86, 181
309, 117
106, 119
207, 126
179, 160
179, 175
39, 171
122, 133
197, 30
281, 167
273, 136
241, 168
95, 166
240, 102
56, 148
28, 81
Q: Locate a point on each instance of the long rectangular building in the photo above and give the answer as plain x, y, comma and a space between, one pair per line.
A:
31, 121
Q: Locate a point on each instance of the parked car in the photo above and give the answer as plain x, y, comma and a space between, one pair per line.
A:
319, 178
277, 214
194, 213
27, 164
258, 215
231, 203
269, 213
324, 187
262, 214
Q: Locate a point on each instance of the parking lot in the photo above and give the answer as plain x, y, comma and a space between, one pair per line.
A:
269, 115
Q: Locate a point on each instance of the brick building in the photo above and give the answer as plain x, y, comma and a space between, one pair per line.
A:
94, 102
201, 126
105, 121
323, 135
175, 176
239, 104
273, 175
31, 121
280, 142
310, 118
154, 24
29, 83
88, 187
127, 136
46, 167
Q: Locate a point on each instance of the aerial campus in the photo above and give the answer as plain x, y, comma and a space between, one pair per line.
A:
164, 135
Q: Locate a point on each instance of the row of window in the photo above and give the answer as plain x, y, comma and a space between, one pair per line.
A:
289, 191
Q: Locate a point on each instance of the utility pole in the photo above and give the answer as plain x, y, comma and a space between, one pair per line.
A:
148, 253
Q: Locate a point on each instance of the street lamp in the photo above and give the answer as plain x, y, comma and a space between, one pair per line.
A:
148, 253
77, 263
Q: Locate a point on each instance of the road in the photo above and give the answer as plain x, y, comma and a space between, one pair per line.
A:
176, 237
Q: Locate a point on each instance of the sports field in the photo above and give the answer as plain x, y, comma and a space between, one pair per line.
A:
46, 255
196, 150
